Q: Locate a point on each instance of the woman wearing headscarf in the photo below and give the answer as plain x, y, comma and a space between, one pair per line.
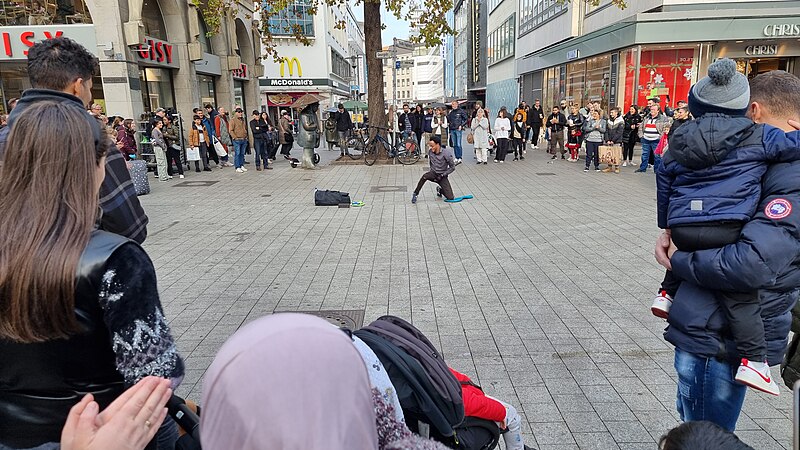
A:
266, 389
480, 133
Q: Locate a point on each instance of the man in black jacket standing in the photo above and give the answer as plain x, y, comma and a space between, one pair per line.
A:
535, 119
343, 126
457, 120
556, 123
61, 69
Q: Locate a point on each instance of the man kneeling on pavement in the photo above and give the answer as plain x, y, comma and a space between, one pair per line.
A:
443, 163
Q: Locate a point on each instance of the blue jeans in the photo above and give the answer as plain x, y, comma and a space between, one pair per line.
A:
647, 148
239, 146
707, 390
455, 141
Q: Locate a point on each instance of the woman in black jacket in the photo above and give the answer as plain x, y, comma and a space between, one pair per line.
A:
417, 122
630, 134
615, 128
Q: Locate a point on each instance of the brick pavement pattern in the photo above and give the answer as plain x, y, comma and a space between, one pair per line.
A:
539, 287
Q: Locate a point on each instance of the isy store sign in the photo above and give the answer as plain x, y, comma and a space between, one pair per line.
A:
17, 40
156, 53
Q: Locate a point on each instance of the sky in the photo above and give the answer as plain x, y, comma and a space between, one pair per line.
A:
394, 27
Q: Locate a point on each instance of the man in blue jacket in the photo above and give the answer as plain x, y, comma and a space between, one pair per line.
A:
766, 257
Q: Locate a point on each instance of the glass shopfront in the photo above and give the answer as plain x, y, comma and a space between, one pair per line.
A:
43, 12
553, 86
666, 74
157, 88
238, 94
208, 95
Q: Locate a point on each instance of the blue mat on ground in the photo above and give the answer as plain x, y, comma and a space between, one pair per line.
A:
458, 199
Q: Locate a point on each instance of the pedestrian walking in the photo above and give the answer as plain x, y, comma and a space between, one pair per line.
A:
199, 138
456, 121
594, 129
502, 130
615, 127
343, 126
518, 136
480, 136
630, 134
285, 136
442, 163
555, 125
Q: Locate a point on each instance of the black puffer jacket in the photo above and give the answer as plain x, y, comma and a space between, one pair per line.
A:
630, 134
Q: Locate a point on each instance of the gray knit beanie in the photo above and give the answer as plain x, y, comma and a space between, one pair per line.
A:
724, 90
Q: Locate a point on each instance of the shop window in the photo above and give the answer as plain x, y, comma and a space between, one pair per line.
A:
598, 76
158, 90
43, 12
294, 18
340, 66
501, 41
208, 94
628, 73
576, 83
153, 21
666, 74
205, 42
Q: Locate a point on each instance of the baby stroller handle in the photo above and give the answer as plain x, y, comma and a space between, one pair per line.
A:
184, 416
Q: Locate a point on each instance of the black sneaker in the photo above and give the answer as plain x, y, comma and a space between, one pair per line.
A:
438, 191
554, 157
563, 157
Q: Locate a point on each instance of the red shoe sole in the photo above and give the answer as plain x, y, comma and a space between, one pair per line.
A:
659, 313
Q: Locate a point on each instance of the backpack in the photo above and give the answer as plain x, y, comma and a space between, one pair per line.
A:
429, 393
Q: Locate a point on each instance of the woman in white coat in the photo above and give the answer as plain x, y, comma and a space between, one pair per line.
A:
480, 135
502, 127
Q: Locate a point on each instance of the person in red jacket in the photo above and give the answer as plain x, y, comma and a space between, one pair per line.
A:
477, 404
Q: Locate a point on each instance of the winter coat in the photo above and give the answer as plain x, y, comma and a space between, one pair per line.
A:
439, 126
614, 130
238, 128
535, 116
629, 133
559, 125
476, 403
283, 127
127, 139
674, 127
518, 130
661, 121
456, 119
480, 132
257, 130
427, 126
171, 136
401, 122
577, 122
592, 134
343, 121
222, 131
714, 166
194, 137
416, 121
766, 257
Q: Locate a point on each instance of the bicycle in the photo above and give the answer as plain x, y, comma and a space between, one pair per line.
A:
357, 143
406, 151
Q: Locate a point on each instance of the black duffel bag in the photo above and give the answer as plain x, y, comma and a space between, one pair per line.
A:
331, 198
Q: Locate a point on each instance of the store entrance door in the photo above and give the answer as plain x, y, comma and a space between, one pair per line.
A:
753, 67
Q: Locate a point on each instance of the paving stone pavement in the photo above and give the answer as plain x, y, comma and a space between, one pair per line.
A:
539, 287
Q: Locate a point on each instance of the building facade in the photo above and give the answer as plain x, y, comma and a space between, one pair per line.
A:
502, 88
153, 53
324, 67
654, 48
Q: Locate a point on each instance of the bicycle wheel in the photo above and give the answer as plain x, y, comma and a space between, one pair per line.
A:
355, 148
371, 153
407, 154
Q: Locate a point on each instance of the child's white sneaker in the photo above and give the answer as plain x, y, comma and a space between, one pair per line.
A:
757, 376
661, 305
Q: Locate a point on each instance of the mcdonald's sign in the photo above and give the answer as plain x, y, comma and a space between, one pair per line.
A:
291, 62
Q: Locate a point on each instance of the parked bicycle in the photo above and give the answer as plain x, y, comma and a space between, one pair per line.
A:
406, 151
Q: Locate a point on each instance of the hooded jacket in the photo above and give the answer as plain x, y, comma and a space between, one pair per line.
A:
714, 166
122, 212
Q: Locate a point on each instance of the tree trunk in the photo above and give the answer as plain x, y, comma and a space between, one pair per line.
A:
372, 45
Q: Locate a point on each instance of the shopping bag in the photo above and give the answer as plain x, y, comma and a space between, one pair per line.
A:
219, 148
662, 146
138, 171
610, 154
470, 139
193, 154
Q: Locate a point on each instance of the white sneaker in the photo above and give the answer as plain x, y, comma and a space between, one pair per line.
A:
169, 177
181, 177
757, 376
624, 163
661, 305
239, 170
243, 169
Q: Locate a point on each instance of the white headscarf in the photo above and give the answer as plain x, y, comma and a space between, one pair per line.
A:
290, 382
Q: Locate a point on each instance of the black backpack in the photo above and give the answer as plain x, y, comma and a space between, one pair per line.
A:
429, 393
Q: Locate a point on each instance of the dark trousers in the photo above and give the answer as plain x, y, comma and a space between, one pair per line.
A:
272, 149
261, 152
203, 157
537, 128
593, 154
502, 149
742, 309
444, 184
518, 145
174, 155
627, 149
286, 148
556, 140
211, 153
